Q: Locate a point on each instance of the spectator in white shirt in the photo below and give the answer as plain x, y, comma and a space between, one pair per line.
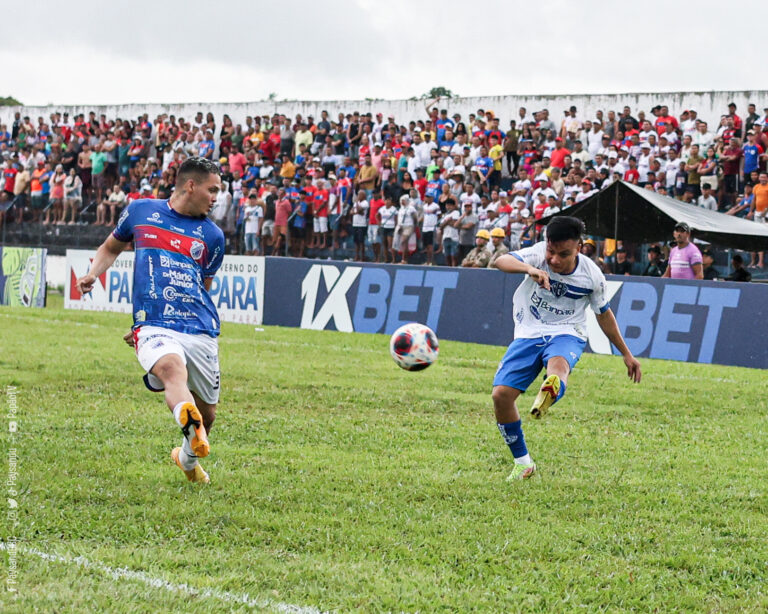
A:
706, 200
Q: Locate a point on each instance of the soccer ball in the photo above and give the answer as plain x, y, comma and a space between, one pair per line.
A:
413, 346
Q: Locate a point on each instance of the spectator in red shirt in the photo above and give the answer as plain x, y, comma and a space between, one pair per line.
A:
558, 154
665, 118
732, 113
320, 199
731, 159
632, 175
283, 211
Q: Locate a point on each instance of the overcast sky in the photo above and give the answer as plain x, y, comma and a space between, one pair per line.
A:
232, 51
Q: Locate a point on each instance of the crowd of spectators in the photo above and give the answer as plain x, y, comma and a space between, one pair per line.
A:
467, 188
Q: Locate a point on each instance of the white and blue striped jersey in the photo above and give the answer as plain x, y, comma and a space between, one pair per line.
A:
561, 310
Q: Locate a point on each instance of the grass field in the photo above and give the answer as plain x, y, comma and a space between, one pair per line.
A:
341, 483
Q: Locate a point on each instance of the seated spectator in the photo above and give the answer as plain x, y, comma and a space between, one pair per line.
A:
708, 261
479, 256
622, 266
739, 272
656, 265
499, 249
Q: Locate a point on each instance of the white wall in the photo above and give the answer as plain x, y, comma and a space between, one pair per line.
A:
710, 106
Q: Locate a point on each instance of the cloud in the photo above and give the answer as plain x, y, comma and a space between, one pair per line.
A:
174, 51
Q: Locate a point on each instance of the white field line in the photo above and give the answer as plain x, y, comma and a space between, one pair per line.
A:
122, 573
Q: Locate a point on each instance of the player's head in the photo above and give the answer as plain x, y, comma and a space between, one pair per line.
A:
198, 183
563, 243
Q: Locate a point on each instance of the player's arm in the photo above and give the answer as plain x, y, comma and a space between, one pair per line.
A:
512, 264
207, 283
105, 257
610, 327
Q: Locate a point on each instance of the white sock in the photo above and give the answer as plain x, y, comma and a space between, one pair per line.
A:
524, 460
186, 457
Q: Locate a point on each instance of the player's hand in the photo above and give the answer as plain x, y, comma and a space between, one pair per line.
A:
85, 284
128, 338
633, 368
540, 277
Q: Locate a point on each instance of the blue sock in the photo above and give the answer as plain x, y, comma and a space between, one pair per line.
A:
561, 393
512, 432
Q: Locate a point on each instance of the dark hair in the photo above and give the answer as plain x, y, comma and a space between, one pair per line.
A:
564, 228
196, 168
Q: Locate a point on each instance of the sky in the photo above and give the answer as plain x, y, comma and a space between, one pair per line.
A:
171, 51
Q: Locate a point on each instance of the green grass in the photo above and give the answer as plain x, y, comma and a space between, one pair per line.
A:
344, 483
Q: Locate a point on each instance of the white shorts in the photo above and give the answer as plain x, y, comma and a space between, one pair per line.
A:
373, 234
320, 224
200, 354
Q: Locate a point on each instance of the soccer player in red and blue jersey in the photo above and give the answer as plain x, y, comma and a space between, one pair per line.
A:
178, 251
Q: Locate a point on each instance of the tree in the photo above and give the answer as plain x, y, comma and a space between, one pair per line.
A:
9, 101
435, 93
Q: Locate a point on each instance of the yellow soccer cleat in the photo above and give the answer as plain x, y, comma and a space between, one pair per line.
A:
522, 472
190, 419
197, 474
547, 395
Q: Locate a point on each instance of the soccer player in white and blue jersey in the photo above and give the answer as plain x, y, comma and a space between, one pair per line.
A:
549, 309
178, 251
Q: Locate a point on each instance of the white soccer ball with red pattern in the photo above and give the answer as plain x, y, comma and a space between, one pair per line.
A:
414, 346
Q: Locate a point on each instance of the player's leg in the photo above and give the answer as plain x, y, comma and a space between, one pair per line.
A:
207, 411
162, 355
203, 379
561, 354
518, 368
171, 370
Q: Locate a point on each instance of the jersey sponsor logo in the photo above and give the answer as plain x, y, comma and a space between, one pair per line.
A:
149, 236
173, 312
177, 229
171, 294
198, 232
123, 217
535, 312
152, 288
179, 279
167, 262
155, 218
175, 243
539, 302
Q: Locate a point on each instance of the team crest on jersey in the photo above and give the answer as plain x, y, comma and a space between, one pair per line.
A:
196, 251
558, 288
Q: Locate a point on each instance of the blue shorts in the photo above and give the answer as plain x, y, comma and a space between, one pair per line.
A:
450, 247
525, 358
